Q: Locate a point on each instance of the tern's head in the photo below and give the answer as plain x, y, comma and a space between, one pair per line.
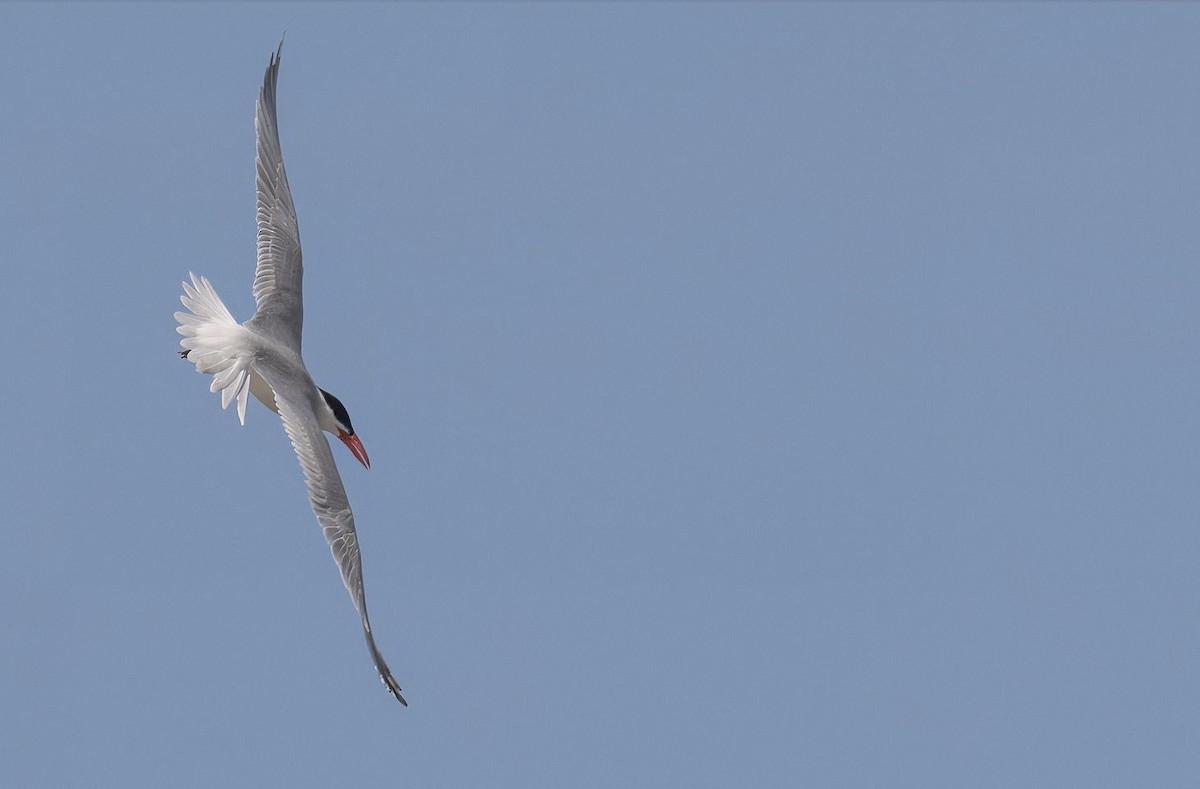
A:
343, 429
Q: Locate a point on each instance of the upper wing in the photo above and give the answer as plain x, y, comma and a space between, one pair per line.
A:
279, 275
327, 496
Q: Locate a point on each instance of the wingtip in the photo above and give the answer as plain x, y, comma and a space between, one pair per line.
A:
390, 683
272, 72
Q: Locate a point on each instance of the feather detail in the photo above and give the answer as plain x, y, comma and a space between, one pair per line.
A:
216, 343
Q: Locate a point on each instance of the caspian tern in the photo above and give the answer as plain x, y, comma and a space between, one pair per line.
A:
262, 357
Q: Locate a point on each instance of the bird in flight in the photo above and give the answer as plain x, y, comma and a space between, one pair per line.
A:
262, 357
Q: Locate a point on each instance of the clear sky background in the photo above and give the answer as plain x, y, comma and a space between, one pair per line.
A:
765, 395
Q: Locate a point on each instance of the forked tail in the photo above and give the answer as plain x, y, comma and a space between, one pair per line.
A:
215, 343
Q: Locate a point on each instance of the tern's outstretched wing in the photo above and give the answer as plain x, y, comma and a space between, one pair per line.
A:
326, 494
278, 279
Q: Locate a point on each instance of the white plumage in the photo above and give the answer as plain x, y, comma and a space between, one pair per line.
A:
262, 357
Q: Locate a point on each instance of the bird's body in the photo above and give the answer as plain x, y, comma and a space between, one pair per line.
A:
262, 357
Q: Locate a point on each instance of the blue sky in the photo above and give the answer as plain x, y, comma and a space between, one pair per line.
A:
757, 395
